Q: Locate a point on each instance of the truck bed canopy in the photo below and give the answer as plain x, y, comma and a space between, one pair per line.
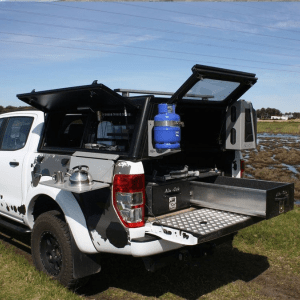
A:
76, 99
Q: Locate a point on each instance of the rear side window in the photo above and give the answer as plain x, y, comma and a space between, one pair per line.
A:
16, 133
96, 130
65, 131
1, 123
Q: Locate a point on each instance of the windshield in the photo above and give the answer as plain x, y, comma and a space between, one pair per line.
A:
211, 89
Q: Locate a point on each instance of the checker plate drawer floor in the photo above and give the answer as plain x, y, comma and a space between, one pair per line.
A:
207, 224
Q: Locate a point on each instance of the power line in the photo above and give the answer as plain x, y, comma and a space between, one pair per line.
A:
202, 16
164, 39
172, 21
145, 48
142, 55
239, 13
260, 8
150, 28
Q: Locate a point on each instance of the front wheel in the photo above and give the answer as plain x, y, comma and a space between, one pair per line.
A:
51, 248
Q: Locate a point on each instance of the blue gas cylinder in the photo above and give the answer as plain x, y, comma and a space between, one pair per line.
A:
167, 133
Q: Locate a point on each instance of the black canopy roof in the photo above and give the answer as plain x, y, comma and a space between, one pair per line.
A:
75, 99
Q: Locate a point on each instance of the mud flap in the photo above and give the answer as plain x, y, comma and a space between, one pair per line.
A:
84, 264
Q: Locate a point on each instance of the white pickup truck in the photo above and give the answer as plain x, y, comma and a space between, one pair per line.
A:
85, 173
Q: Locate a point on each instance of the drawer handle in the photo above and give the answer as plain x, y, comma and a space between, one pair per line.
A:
282, 198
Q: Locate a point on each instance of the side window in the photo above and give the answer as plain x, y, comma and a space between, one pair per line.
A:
1, 125
65, 131
74, 132
16, 133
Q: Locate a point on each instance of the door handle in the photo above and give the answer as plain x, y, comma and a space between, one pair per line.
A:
14, 163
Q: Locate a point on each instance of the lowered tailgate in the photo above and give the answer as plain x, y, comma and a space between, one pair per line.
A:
197, 226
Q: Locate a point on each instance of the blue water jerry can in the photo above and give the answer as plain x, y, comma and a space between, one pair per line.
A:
167, 132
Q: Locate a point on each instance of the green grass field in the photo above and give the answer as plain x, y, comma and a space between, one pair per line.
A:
20, 280
264, 260
292, 127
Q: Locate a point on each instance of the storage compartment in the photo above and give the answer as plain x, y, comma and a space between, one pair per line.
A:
167, 197
259, 198
220, 206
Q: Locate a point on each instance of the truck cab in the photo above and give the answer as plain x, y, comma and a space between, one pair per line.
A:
88, 172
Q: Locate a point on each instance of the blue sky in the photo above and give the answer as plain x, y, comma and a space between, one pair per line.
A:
149, 45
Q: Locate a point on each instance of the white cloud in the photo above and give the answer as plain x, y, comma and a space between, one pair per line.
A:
287, 24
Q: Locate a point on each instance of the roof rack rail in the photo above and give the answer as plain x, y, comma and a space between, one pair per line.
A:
126, 92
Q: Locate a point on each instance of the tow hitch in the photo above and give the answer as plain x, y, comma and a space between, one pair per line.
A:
155, 262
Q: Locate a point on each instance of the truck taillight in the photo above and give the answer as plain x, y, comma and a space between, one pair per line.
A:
129, 199
242, 168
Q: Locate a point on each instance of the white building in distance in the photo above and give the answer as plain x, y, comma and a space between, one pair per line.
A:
280, 118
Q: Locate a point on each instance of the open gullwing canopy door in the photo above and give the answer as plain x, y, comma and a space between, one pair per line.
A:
220, 89
76, 99
214, 84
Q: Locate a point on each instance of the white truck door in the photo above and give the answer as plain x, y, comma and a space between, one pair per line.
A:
13, 148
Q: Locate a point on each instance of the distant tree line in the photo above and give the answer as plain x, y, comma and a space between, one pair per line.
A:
296, 115
266, 113
10, 108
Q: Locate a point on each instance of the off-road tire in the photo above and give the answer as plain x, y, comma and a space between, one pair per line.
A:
51, 231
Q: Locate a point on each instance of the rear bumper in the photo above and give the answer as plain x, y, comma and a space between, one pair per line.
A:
151, 246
